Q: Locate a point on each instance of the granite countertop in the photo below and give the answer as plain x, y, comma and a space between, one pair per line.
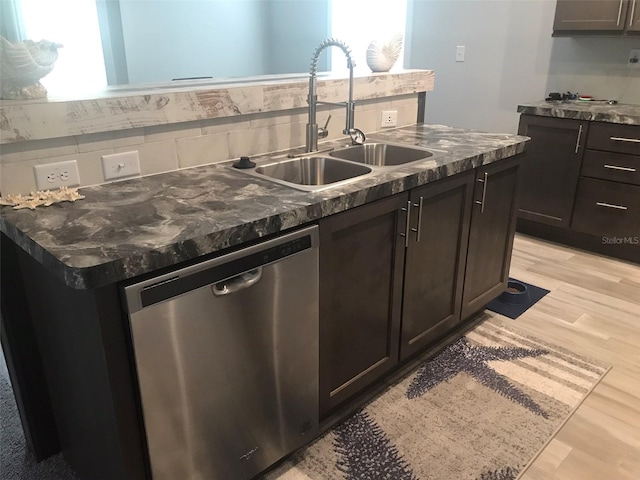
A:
597, 111
133, 227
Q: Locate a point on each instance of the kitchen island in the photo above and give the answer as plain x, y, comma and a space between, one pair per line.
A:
63, 268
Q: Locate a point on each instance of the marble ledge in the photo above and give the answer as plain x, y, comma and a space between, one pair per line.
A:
125, 109
134, 227
626, 114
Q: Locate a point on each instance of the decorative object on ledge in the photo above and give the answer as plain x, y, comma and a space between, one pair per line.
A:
381, 57
40, 197
22, 65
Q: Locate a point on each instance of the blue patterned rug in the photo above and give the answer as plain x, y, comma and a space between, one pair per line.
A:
480, 410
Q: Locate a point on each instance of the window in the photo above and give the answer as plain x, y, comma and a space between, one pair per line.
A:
359, 22
74, 24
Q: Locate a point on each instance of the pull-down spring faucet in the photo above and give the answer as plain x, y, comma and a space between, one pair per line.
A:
313, 131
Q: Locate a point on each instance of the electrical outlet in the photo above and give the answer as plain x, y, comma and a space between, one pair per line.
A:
119, 165
389, 118
55, 175
634, 58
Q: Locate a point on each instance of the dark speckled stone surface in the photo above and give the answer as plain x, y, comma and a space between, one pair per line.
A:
579, 110
129, 228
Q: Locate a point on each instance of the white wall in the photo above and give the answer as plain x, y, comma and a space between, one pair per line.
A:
511, 58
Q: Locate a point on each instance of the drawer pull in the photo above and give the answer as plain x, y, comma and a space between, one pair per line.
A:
622, 139
609, 205
624, 169
578, 140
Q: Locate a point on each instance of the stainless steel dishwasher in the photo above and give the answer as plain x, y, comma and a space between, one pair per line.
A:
226, 353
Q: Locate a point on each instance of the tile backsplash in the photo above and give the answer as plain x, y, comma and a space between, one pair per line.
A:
174, 146
174, 128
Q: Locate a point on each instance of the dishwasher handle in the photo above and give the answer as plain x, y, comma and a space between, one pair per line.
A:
239, 282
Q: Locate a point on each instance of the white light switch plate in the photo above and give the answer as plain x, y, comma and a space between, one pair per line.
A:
120, 165
460, 53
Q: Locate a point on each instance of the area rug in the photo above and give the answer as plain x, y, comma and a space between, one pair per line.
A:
480, 410
504, 305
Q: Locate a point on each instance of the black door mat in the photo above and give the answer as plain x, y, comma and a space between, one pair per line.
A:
517, 299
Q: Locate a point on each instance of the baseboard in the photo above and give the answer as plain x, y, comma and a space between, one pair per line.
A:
616, 247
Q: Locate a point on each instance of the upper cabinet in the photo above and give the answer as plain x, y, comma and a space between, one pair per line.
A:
607, 17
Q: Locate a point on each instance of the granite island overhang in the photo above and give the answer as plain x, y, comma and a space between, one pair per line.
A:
133, 227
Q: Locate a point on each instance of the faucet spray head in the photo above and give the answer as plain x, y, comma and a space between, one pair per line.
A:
330, 42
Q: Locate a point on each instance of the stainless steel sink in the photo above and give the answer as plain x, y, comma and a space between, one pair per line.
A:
383, 154
312, 173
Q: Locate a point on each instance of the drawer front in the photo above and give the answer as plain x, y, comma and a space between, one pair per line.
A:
607, 209
617, 167
613, 137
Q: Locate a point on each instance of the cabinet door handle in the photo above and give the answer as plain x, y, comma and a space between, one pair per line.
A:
484, 181
633, 11
407, 227
578, 139
624, 169
622, 139
417, 230
610, 205
619, 12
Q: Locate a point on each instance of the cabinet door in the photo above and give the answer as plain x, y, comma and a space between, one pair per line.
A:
493, 221
434, 264
551, 168
361, 263
633, 17
594, 15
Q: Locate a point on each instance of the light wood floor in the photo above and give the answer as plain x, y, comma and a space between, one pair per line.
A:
593, 309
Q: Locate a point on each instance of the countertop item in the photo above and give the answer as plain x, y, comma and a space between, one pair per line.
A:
133, 227
597, 111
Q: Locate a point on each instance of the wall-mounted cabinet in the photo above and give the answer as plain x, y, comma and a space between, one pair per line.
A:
596, 17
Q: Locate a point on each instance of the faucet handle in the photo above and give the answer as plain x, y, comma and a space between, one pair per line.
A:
357, 136
322, 131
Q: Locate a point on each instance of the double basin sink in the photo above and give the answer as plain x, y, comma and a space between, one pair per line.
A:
317, 172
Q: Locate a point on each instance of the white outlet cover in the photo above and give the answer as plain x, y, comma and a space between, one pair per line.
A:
120, 165
55, 175
389, 118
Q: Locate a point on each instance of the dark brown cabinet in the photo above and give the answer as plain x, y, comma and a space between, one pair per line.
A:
551, 168
361, 268
593, 16
608, 209
589, 199
399, 274
493, 225
608, 198
633, 17
435, 259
